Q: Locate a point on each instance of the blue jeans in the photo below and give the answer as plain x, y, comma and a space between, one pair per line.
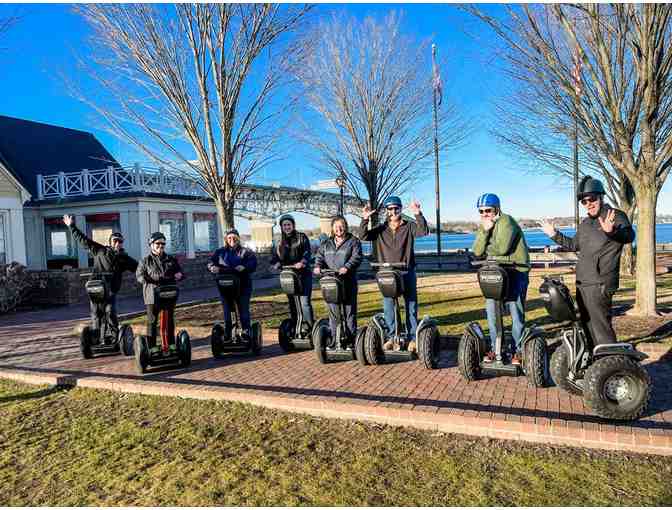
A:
411, 302
306, 306
515, 302
350, 311
243, 303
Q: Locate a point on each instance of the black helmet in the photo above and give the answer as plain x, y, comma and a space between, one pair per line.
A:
287, 217
589, 186
116, 235
156, 236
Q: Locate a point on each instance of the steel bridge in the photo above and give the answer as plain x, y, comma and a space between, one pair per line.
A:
252, 202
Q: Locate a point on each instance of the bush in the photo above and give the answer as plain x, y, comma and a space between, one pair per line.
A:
15, 283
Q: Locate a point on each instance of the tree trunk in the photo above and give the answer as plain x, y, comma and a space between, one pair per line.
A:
224, 215
645, 294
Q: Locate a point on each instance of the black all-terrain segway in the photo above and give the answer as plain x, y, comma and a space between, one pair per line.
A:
93, 340
428, 341
493, 280
172, 350
294, 335
609, 376
238, 340
339, 347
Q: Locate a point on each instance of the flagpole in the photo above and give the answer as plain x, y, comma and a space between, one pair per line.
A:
436, 158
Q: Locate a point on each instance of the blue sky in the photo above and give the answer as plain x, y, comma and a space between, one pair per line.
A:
41, 46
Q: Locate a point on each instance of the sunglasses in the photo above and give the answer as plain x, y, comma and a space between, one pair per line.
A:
160, 244
588, 200
394, 209
487, 210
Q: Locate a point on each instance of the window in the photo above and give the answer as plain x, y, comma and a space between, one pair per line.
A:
205, 232
173, 226
3, 242
61, 248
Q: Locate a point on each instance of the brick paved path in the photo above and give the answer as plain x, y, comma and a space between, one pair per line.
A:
403, 394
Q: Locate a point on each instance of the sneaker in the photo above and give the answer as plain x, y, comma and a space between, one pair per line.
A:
412, 347
388, 346
516, 359
489, 357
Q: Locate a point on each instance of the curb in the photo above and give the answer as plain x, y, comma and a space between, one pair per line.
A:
448, 420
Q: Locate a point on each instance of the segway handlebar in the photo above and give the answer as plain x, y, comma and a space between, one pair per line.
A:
328, 272
396, 265
99, 274
490, 261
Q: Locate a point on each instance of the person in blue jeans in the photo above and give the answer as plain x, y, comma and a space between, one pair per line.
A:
500, 237
294, 250
242, 261
394, 242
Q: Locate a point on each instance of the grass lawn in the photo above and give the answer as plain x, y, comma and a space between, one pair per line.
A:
453, 299
87, 447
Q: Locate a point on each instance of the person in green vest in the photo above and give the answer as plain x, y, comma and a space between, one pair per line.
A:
500, 237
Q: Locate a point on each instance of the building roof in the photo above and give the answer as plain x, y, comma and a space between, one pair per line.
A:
30, 148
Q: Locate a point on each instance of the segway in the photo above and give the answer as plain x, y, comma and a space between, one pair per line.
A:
341, 346
172, 350
93, 340
609, 376
493, 280
294, 335
237, 341
370, 350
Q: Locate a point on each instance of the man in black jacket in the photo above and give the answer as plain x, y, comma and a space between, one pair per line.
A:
599, 241
106, 259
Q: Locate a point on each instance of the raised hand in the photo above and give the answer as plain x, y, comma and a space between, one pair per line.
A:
367, 212
548, 228
607, 223
68, 220
414, 207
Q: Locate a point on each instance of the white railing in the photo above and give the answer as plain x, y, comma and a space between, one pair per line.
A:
116, 180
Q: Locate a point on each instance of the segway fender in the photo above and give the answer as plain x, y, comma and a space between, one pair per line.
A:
619, 349
426, 322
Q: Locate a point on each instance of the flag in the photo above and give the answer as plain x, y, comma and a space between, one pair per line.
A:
436, 78
576, 72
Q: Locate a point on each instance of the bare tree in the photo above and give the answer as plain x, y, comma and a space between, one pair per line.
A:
370, 89
195, 86
624, 112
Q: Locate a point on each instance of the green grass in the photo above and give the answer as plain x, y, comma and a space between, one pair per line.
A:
89, 447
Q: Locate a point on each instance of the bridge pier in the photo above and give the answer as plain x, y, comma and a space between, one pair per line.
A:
325, 225
262, 233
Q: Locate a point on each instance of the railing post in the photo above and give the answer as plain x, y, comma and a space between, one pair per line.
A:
138, 177
40, 187
61, 184
86, 185
162, 180
110, 179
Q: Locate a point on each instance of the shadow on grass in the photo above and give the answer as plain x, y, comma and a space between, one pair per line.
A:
34, 394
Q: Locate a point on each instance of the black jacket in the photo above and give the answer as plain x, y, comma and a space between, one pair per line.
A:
396, 246
292, 250
348, 255
105, 259
599, 253
156, 270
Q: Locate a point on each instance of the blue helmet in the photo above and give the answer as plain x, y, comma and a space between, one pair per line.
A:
392, 200
488, 200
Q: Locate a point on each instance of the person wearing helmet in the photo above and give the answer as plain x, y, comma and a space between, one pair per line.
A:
394, 242
157, 268
233, 257
341, 252
111, 259
500, 237
294, 250
599, 242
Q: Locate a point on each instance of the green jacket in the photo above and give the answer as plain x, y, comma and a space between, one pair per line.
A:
505, 242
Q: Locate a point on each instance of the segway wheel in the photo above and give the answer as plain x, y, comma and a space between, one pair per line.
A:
373, 346
535, 362
126, 340
216, 340
559, 369
257, 340
429, 347
184, 348
320, 340
360, 338
141, 350
85, 343
468, 361
617, 388
285, 335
